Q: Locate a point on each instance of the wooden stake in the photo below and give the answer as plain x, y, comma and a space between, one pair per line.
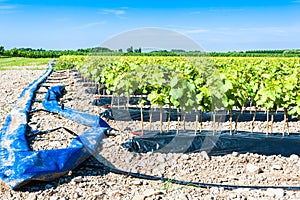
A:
184, 118
286, 125
272, 121
196, 121
169, 117
237, 119
99, 90
161, 120
150, 118
178, 120
112, 100
267, 126
142, 119
214, 121
230, 121
252, 124
201, 118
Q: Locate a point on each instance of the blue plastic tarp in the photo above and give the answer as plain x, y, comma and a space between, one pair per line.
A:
19, 164
51, 104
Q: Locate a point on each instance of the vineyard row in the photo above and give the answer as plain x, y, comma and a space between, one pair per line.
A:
197, 83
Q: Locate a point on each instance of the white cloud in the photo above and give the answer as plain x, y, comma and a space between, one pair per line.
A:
7, 7
273, 30
89, 25
217, 10
113, 11
196, 31
188, 29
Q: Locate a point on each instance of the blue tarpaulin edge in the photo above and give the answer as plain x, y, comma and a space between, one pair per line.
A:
19, 165
50, 103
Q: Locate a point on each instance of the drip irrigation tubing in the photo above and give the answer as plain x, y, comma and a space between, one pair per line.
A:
189, 183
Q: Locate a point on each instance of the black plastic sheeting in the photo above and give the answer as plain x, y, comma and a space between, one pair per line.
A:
107, 100
132, 114
218, 144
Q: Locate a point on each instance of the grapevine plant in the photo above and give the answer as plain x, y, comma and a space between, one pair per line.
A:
196, 84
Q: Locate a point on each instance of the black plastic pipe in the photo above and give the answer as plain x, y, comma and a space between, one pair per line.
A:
189, 183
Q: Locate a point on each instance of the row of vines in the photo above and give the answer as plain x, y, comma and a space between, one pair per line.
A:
198, 83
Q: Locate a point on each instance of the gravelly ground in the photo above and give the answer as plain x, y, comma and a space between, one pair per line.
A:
86, 183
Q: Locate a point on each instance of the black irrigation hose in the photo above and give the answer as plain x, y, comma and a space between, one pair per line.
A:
45, 86
189, 183
40, 92
55, 129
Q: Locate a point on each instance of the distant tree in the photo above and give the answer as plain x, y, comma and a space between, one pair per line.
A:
139, 50
177, 50
101, 49
1, 50
130, 49
120, 50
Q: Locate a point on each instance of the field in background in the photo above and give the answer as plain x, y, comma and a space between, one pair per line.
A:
16, 62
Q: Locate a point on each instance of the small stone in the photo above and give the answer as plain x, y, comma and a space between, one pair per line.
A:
53, 198
76, 196
34, 126
137, 182
54, 144
63, 198
151, 192
294, 157
204, 155
232, 177
278, 193
235, 154
77, 179
208, 197
111, 183
161, 158
97, 194
241, 190
185, 157
233, 196
253, 168
138, 197
277, 167
32, 196
182, 197
214, 190
290, 193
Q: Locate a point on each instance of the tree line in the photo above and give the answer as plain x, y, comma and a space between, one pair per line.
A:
42, 53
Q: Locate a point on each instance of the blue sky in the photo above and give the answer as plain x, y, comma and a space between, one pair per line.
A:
215, 25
